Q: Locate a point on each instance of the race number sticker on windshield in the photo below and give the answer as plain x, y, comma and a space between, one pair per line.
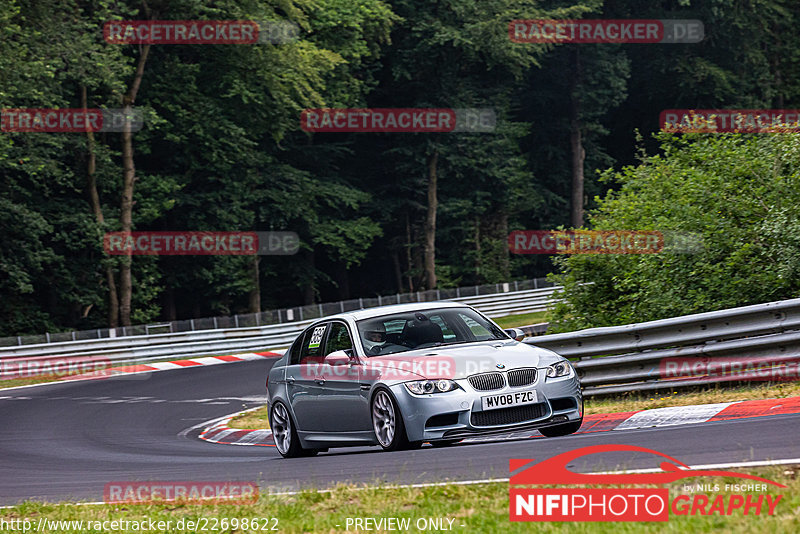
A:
492, 402
316, 337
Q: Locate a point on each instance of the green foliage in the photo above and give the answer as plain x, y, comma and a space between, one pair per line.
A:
222, 149
737, 193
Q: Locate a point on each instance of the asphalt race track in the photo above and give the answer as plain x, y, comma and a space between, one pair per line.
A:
66, 441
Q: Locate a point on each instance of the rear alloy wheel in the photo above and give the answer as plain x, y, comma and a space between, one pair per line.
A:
387, 422
285, 435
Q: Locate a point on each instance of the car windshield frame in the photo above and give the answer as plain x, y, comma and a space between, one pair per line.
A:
459, 328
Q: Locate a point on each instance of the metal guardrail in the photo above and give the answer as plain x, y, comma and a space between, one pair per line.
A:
745, 344
284, 315
138, 349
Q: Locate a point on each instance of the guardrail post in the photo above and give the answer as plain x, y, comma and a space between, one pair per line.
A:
320, 309
398, 298
379, 300
73, 335
215, 323
236, 320
47, 336
516, 285
417, 298
300, 309
438, 294
341, 306
19, 340
535, 283
123, 331
191, 324
360, 303
458, 292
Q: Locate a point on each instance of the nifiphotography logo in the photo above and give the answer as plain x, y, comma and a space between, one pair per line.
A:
623, 503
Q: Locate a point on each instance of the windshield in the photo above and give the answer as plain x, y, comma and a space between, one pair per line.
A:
400, 332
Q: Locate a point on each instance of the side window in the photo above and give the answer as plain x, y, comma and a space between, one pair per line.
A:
338, 339
312, 344
296, 348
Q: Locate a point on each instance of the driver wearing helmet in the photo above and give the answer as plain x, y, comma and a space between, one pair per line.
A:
374, 338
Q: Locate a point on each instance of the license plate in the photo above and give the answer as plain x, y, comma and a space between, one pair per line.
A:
505, 400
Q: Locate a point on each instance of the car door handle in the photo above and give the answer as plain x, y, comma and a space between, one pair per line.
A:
320, 381
290, 380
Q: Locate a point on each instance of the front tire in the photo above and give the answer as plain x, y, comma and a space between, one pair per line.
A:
387, 423
285, 434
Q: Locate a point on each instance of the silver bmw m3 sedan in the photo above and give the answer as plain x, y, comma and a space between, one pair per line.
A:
399, 376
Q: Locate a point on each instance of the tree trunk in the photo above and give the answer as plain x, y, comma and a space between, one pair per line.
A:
409, 258
430, 223
398, 272
576, 144
94, 203
342, 280
309, 291
506, 253
128, 181
170, 312
254, 300
477, 238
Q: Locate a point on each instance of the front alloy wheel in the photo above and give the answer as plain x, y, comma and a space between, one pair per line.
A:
388, 423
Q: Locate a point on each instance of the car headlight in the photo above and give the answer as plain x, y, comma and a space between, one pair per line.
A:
559, 369
421, 387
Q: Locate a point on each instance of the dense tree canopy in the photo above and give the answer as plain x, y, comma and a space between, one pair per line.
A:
222, 149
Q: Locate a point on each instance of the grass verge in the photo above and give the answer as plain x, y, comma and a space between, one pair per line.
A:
523, 319
255, 419
474, 508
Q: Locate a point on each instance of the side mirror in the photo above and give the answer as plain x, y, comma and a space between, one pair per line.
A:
337, 357
516, 333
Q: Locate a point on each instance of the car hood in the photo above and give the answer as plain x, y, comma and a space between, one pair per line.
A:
460, 361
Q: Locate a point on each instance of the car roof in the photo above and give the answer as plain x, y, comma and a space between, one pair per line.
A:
379, 311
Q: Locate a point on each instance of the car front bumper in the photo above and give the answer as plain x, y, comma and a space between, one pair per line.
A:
459, 414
